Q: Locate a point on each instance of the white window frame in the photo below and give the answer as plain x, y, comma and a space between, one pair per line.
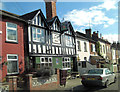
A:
46, 62
38, 33
15, 29
66, 62
10, 60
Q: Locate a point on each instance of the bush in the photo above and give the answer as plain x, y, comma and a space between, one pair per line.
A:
44, 72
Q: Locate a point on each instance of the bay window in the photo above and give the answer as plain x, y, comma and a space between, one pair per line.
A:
11, 32
12, 66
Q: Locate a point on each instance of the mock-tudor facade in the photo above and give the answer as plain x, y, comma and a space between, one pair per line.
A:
47, 43
12, 41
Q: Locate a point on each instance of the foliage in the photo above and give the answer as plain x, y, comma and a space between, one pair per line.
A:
97, 47
44, 72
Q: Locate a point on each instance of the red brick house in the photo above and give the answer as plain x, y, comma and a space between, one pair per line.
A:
12, 44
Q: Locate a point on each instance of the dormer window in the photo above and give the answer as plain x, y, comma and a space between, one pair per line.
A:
42, 23
35, 21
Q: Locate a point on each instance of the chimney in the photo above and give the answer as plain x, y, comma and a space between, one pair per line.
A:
50, 9
88, 32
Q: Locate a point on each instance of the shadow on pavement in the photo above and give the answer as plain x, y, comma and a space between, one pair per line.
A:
81, 88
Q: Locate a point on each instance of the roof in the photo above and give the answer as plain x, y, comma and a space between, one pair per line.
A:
105, 41
30, 16
11, 15
50, 22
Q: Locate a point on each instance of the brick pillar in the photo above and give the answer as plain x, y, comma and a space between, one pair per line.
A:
12, 80
29, 81
58, 76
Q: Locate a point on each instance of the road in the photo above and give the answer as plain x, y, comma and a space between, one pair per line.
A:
114, 87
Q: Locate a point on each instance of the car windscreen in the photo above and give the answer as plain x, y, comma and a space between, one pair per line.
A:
95, 71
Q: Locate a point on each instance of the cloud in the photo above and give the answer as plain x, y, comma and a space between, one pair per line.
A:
111, 37
93, 16
107, 4
86, 17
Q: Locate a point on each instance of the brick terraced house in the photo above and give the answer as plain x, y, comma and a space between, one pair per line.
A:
12, 44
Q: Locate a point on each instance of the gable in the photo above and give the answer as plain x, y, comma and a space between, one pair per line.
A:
35, 17
55, 23
66, 27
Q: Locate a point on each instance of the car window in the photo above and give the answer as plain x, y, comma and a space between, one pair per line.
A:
95, 71
108, 72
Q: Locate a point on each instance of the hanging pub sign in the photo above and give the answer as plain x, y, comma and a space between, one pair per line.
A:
64, 26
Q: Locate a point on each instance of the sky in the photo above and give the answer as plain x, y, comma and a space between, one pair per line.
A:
99, 16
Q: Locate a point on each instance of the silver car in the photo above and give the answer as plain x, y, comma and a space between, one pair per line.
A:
99, 77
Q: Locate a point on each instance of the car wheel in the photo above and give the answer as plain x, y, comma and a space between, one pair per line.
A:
106, 84
115, 79
85, 85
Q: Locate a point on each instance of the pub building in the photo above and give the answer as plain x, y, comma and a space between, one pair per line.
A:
48, 42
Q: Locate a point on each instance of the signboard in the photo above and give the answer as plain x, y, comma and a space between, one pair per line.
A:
64, 26
57, 62
56, 38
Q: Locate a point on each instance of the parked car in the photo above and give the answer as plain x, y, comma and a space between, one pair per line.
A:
99, 77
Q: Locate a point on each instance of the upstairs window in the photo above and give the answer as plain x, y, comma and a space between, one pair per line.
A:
69, 41
38, 34
11, 32
92, 47
12, 66
85, 47
79, 48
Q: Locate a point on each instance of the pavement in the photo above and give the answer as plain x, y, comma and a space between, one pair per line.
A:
70, 84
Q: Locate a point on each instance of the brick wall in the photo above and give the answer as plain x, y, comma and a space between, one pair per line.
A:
49, 86
50, 9
13, 48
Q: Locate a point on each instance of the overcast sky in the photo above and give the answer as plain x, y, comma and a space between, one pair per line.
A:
100, 16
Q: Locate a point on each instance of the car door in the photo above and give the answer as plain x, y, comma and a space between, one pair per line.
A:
108, 76
112, 76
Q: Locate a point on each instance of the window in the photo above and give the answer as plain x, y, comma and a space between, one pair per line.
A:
11, 32
66, 62
46, 62
38, 34
92, 47
42, 23
95, 71
84, 64
69, 41
85, 47
101, 48
78, 42
12, 67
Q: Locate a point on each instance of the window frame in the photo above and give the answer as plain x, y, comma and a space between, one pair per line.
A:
85, 47
15, 29
78, 45
36, 31
11, 60
84, 65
